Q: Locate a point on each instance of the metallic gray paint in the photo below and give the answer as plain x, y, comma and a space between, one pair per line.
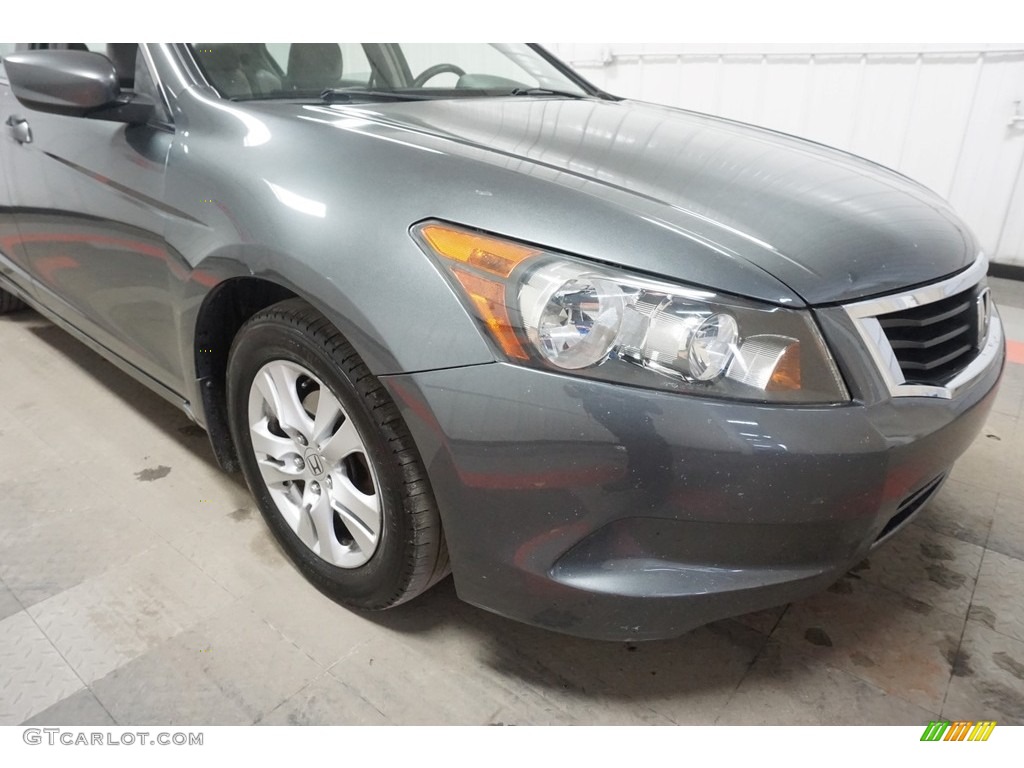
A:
830, 226
68, 82
615, 514
554, 491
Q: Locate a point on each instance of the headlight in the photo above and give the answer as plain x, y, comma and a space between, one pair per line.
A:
558, 312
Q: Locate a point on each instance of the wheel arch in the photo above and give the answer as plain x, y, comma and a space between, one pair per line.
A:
233, 283
223, 312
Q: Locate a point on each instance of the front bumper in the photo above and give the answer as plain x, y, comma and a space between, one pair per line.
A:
619, 513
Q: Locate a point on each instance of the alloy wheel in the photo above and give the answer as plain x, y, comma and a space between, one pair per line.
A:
315, 464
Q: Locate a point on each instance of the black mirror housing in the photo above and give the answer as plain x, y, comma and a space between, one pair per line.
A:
133, 108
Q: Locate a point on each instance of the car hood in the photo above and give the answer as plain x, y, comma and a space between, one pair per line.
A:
829, 225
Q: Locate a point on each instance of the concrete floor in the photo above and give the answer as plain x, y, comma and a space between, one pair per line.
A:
139, 586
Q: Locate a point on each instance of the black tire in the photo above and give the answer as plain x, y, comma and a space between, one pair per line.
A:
10, 303
411, 554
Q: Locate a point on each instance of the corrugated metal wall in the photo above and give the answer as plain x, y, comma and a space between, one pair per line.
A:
943, 115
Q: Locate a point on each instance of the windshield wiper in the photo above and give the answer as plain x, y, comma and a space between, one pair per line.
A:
335, 95
545, 92
343, 95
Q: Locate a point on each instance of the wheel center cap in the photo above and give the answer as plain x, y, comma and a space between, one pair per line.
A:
317, 466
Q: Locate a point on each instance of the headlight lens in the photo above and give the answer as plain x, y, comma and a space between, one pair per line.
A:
556, 311
710, 348
573, 320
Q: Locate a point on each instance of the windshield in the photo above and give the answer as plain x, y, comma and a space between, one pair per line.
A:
245, 71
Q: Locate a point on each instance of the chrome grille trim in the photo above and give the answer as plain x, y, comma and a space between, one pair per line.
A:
864, 315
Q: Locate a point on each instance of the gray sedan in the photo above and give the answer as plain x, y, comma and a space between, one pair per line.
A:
621, 369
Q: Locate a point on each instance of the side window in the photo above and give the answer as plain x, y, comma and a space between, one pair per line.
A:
146, 85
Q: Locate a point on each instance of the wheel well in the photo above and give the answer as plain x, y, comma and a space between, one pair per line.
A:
224, 311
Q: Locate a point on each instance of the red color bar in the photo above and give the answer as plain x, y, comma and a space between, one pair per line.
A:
1015, 351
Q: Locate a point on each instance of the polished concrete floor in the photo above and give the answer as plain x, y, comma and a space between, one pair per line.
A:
139, 586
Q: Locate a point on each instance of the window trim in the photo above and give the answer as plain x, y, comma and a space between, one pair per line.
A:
161, 91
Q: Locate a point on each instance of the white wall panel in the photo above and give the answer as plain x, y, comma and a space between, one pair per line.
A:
990, 161
938, 113
1012, 239
883, 107
938, 122
830, 114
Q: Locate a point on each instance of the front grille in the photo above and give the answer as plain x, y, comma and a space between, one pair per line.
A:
934, 342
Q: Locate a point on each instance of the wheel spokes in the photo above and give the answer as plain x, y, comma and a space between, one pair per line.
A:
275, 474
359, 512
327, 544
342, 443
328, 411
277, 385
266, 444
305, 526
315, 464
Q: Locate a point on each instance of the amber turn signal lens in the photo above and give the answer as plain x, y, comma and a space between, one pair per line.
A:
488, 254
488, 298
484, 256
787, 371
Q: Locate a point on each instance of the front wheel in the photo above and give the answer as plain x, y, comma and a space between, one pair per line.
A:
330, 461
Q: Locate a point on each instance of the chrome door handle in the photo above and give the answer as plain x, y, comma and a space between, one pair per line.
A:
20, 129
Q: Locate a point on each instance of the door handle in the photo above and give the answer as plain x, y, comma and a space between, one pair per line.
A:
20, 129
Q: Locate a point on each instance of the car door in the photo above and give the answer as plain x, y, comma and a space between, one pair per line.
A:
12, 257
91, 221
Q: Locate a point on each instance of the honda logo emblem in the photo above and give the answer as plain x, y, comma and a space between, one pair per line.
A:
315, 463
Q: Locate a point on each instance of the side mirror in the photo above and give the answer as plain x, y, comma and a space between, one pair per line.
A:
74, 83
